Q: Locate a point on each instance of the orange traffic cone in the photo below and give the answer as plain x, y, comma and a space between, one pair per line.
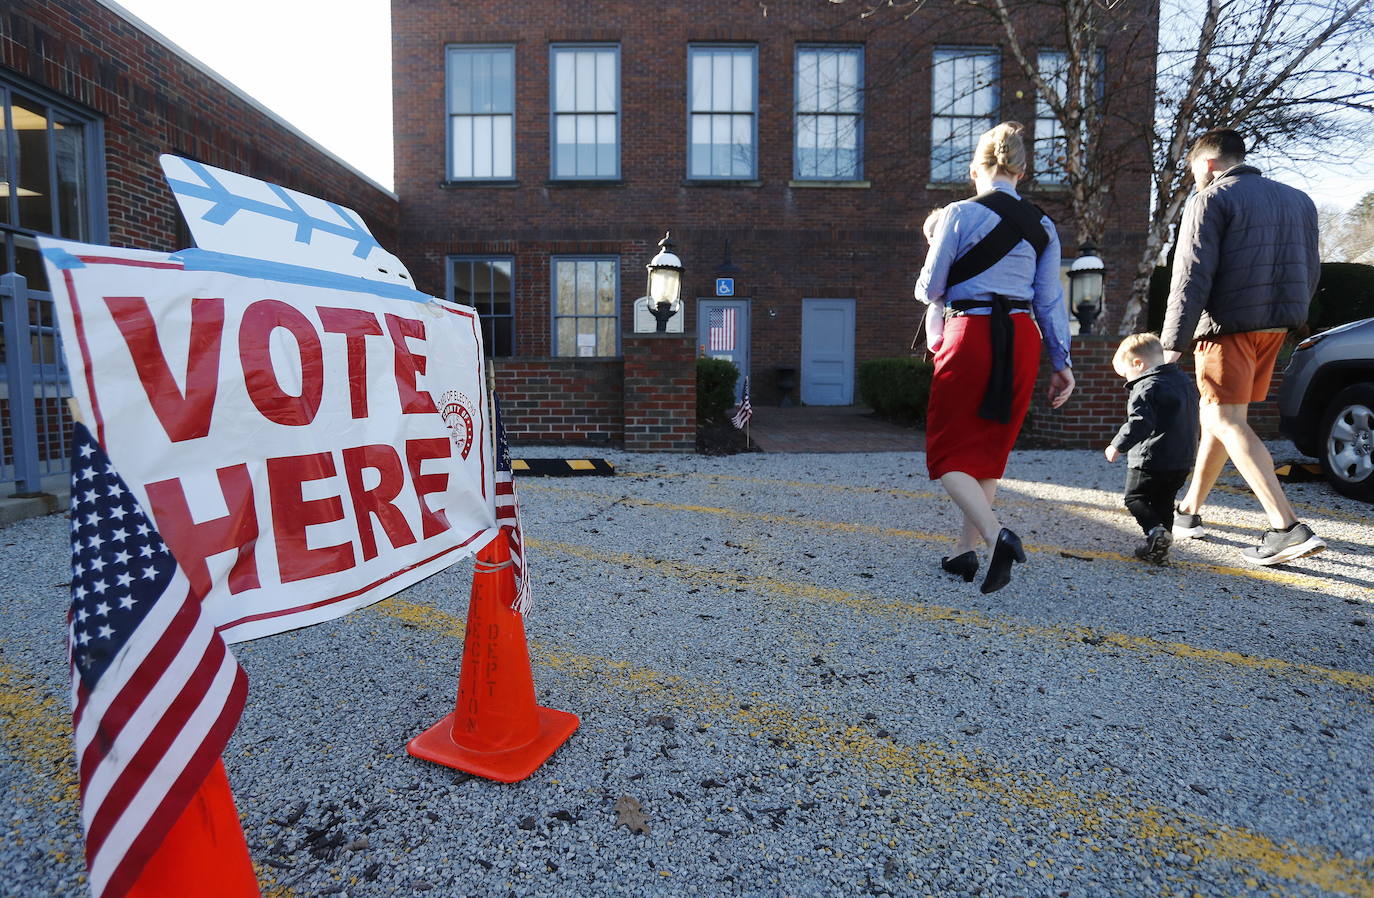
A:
204, 853
496, 730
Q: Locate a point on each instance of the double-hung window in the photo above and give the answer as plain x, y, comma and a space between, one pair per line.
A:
487, 285
50, 164
1050, 146
829, 117
481, 113
722, 111
586, 111
586, 306
964, 103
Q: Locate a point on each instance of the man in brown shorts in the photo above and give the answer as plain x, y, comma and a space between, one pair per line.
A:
1245, 270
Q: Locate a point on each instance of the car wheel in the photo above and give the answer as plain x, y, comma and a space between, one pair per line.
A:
1348, 442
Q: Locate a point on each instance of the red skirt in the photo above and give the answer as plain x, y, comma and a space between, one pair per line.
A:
956, 438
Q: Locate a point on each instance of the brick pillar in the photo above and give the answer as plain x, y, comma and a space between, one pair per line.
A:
660, 392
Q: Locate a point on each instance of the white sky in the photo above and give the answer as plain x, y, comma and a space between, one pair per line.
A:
325, 67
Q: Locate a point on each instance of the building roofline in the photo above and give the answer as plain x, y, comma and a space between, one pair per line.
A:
161, 38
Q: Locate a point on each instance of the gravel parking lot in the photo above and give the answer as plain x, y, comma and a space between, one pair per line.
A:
766, 657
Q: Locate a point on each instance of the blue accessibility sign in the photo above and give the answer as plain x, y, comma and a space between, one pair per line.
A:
725, 286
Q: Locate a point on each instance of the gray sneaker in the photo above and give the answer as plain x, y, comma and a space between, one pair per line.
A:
1187, 526
1280, 546
1155, 549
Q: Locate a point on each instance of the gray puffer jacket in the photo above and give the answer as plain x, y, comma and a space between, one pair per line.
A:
1247, 259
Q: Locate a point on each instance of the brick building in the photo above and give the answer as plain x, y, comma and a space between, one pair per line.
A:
89, 98
793, 149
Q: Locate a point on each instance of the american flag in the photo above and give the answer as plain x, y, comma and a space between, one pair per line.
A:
508, 516
745, 411
720, 324
155, 690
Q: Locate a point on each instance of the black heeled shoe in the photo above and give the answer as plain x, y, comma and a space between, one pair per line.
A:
965, 565
1007, 549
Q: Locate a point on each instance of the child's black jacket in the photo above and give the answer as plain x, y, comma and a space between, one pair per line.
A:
1161, 430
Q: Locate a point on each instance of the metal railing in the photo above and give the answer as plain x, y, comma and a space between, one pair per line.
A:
35, 424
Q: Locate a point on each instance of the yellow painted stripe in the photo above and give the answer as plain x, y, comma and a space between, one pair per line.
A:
1114, 507
519, 465
580, 464
1268, 575
973, 620
941, 766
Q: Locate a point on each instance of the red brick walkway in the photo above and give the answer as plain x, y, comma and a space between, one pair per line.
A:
829, 429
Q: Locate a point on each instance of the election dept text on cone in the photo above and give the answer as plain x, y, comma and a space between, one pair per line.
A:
497, 730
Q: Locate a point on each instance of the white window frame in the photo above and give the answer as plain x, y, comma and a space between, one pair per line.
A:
558, 320
966, 114
468, 126
696, 53
578, 117
839, 118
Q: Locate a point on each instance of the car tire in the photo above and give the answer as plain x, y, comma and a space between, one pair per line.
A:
1347, 442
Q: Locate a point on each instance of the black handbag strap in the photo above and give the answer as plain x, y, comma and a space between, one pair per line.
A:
1019, 220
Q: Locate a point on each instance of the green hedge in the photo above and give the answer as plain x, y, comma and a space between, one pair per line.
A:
1344, 293
715, 389
897, 389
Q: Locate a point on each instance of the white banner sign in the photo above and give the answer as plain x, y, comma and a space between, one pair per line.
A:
306, 442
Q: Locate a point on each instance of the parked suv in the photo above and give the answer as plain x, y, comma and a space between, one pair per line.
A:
1326, 405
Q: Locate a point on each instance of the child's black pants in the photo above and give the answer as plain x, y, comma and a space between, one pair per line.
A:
1150, 496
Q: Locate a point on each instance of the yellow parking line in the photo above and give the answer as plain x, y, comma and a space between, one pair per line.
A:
1160, 830
1061, 633
1287, 578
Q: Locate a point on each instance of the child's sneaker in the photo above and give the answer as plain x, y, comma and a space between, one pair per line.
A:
1155, 549
1187, 526
1279, 546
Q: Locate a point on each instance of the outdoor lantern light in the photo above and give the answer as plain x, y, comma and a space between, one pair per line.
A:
665, 283
1085, 286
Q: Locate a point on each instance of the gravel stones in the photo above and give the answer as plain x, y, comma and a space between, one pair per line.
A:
773, 674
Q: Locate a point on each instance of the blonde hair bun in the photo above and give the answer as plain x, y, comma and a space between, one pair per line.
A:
1002, 149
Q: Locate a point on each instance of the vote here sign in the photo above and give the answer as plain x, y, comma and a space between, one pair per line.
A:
306, 443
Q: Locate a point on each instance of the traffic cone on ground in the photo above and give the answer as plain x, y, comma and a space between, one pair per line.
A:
204, 853
496, 730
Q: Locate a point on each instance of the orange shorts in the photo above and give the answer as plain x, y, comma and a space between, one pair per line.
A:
1236, 369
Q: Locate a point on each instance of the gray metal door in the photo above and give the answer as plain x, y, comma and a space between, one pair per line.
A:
723, 333
827, 374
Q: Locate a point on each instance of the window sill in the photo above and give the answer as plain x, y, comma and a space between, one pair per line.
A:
1048, 187
842, 185
584, 182
950, 185
719, 182
464, 185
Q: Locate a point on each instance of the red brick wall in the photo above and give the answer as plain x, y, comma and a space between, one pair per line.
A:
660, 393
1092, 415
153, 101
789, 242
561, 400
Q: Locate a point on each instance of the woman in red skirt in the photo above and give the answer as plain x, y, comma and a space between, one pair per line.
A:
992, 283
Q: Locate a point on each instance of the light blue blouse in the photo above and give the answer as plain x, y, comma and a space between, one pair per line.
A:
1019, 275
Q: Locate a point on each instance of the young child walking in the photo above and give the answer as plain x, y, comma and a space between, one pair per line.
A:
1159, 438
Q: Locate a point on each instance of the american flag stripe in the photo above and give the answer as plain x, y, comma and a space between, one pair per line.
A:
102, 723
155, 690
109, 787
508, 516
185, 761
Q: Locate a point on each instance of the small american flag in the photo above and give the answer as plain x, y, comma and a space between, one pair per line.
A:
720, 331
745, 411
155, 690
508, 516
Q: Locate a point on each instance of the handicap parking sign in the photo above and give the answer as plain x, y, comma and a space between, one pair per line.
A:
725, 286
